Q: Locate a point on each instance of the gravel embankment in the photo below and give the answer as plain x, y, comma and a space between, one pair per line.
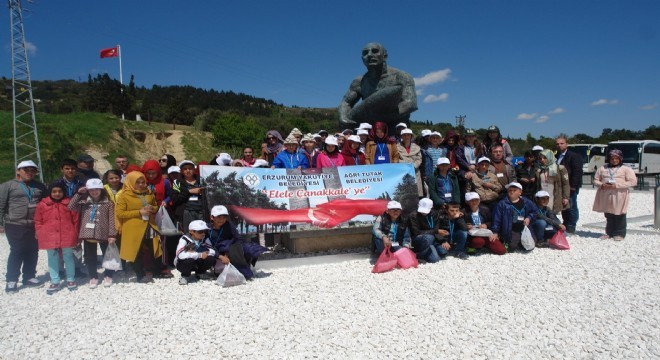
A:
600, 299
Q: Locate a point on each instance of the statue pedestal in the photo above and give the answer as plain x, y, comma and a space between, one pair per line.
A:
306, 241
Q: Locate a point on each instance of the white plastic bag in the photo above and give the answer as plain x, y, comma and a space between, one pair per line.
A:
111, 259
165, 225
230, 276
526, 239
480, 232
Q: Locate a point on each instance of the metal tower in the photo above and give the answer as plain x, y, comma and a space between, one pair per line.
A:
26, 140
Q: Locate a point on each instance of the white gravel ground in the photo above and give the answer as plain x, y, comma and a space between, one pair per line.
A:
600, 299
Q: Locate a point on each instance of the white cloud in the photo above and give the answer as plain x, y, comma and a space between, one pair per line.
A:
605, 102
436, 98
30, 48
649, 106
558, 110
433, 77
542, 119
526, 116
419, 91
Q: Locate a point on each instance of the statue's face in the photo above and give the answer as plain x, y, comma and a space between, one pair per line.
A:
373, 54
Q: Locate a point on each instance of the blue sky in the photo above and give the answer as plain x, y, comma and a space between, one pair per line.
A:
535, 66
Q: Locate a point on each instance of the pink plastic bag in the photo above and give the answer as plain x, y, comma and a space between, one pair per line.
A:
386, 262
406, 258
559, 241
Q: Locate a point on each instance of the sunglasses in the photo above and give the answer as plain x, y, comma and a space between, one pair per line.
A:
270, 138
162, 160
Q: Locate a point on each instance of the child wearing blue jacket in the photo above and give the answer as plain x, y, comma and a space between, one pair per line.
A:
511, 215
290, 158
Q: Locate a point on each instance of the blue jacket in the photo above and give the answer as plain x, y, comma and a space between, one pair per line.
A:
286, 160
503, 217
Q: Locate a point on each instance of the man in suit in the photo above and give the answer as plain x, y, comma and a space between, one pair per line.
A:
573, 163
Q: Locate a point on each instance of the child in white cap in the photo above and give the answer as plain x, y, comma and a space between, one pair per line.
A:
547, 223
97, 226
511, 215
391, 229
194, 252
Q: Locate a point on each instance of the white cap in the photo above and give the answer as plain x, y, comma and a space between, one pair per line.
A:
198, 225
393, 205
541, 194
483, 158
362, 132
186, 162
219, 210
26, 163
435, 133
471, 196
443, 160
316, 136
94, 184
515, 184
425, 206
331, 140
355, 138
259, 163
426, 132
402, 125
173, 169
366, 126
406, 131
537, 148
223, 159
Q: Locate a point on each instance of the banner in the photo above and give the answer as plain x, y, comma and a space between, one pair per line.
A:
327, 197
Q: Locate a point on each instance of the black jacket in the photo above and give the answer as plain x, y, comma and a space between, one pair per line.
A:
573, 163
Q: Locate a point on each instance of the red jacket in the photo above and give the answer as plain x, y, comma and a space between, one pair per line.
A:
56, 226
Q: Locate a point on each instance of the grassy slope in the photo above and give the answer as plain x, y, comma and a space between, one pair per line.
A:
69, 135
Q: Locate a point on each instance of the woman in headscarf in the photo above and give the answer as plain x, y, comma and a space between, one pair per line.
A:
136, 206
161, 188
614, 181
553, 178
274, 145
351, 151
382, 149
165, 162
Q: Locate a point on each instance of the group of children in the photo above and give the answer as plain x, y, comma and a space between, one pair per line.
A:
433, 233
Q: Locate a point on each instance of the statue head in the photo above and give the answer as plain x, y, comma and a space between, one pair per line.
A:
374, 55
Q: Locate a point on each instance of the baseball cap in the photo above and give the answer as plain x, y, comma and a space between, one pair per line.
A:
355, 138
331, 140
197, 225
186, 162
443, 160
173, 169
514, 184
223, 159
541, 194
425, 206
94, 184
401, 125
435, 133
26, 163
537, 148
406, 131
393, 205
219, 210
366, 126
362, 132
260, 163
471, 196
483, 158
426, 132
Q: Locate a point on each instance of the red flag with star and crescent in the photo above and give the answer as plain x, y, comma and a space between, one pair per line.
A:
327, 215
110, 52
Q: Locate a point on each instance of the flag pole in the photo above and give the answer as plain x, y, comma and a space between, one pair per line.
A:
121, 80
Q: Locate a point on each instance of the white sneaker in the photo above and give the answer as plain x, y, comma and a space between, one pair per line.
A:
93, 283
183, 281
107, 282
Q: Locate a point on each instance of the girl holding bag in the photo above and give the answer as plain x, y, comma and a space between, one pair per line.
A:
97, 226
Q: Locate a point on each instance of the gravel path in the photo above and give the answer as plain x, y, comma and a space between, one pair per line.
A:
599, 300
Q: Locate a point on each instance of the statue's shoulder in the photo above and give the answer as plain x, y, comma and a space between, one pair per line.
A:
400, 73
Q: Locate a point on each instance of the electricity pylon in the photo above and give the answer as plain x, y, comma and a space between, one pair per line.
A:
26, 139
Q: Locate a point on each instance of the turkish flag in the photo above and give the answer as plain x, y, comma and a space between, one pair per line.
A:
110, 52
325, 215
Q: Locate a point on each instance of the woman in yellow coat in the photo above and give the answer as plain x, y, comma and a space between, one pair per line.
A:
135, 209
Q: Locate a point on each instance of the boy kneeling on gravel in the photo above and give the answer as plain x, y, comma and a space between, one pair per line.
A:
510, 217
547, 223
194, 253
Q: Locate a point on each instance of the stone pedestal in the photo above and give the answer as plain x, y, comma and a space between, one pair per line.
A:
323, 240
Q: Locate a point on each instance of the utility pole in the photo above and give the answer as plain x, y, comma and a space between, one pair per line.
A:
26, 139
460, 121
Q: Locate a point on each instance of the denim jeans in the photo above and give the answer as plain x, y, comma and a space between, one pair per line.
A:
571, 215
54, 264
427, 249
459, 240
539, 231
23, 252
378, 242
